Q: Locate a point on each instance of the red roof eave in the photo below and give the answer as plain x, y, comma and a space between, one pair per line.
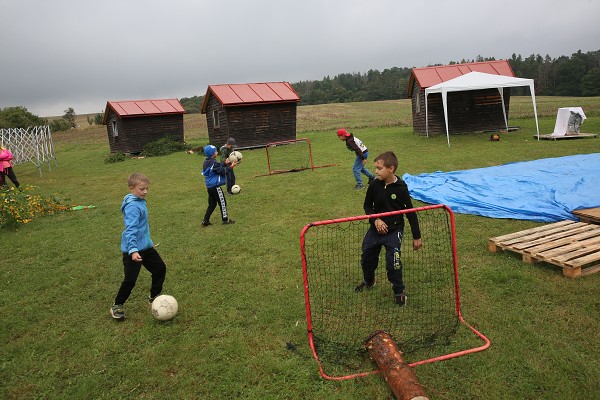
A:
233, 95
137, 108
430, 76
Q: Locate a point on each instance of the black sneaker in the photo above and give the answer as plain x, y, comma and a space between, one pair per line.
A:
151, 299
206, 223
400, 299
359, 186
371, 179
228, 222
117, 312
364, 285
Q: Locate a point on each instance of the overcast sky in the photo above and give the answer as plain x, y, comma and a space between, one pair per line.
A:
57, 54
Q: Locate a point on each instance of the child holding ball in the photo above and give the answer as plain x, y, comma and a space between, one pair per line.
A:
215, 176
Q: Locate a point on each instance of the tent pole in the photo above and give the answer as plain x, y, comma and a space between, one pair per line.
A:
501, 90
445, 101
532, 91
426, 116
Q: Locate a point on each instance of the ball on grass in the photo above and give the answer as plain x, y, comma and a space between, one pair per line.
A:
164, 307
235, 189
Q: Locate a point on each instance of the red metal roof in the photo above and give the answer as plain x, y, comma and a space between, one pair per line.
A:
251, 93
430, 76
136, 108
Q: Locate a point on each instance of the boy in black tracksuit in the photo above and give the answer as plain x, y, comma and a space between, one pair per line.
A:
215, 176
387, 193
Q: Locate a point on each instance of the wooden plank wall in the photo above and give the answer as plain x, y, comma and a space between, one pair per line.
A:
135, 132
469, 111
257, 125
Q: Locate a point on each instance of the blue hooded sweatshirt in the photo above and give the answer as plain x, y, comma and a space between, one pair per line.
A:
136, 236
214, 173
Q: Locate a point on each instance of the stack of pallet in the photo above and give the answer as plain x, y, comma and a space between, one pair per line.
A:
573, 246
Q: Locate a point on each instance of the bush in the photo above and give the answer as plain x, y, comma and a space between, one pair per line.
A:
58, 125
163, 146
115, 158
19, 207
19, 117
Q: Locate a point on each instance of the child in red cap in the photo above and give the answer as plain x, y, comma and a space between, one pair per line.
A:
356, 145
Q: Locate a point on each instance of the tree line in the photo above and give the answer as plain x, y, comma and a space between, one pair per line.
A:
577, 75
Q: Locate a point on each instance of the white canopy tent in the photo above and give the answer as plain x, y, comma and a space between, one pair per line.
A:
478, 81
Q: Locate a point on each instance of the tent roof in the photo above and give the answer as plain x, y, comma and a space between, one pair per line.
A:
478, 81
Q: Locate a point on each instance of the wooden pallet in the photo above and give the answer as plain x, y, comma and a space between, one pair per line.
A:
573, 246
550, 136
588, 215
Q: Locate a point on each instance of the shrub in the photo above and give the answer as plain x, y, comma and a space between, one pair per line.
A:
114, 158
17, 206
163, 146
58, 125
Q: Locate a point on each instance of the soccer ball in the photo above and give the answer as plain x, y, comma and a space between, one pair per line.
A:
235, 189
235, 156
164, 307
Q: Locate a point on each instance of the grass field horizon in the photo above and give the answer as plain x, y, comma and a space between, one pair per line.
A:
241, 328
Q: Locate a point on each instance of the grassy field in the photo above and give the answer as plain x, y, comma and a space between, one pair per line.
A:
241, 330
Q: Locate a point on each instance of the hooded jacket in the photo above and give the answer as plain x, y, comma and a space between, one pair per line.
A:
214, 173
382, 198
5, 157
136, 236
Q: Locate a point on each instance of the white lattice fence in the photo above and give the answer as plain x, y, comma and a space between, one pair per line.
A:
33, 144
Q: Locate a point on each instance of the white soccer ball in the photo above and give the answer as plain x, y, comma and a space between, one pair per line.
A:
164, 307
235, 156
235, 189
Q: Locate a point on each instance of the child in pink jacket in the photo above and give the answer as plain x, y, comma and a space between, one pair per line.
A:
6, 168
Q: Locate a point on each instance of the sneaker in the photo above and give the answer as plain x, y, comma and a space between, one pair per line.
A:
228, 222
206, 223
400, 299
151, 299
371, 179
359, 186
117, 312
364, 285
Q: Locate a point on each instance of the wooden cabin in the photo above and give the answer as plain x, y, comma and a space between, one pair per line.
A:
254, 114
132, 124
468, 111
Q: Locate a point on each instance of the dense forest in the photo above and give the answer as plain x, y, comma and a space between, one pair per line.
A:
577, 75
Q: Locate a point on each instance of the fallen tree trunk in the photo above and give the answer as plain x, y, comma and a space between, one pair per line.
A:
399, 376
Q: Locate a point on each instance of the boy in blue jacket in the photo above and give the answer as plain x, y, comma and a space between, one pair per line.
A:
136, 245
215, 175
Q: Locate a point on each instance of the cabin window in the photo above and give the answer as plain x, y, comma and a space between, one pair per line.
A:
215, 117
115, 129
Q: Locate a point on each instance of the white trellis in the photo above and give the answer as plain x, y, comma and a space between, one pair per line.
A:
32, 144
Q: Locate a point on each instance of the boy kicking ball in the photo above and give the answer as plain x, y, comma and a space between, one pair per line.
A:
136, 246
384, 194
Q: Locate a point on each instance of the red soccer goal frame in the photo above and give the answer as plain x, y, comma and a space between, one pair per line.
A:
287, 142
456, 287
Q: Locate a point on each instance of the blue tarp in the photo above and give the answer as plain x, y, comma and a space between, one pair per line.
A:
545, 190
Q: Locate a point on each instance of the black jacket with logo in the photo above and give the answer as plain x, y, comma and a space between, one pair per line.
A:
395, 196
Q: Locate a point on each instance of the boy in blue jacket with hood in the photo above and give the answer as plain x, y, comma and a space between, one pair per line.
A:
215, 175
136, 245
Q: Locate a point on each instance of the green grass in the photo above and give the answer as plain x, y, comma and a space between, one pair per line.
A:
239, 287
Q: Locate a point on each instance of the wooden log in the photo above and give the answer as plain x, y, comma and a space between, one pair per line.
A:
399, 376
